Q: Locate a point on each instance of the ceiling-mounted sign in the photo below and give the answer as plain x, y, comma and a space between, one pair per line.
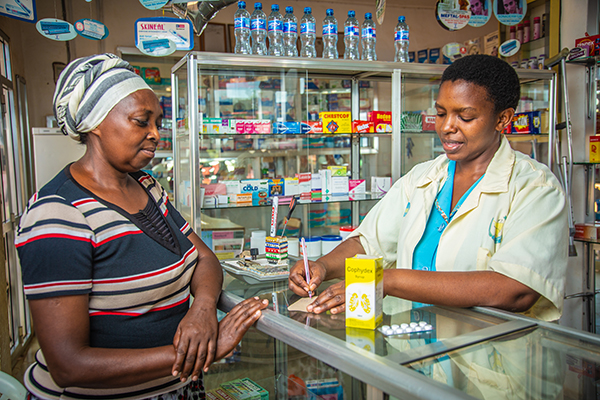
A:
380, 11
510, 12
481, 12
178, 31
56, 29
154, 4
91, 29
454, 50
453, 16
509, 48
19, 9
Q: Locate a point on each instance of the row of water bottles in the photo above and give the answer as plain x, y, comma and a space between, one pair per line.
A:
251, 32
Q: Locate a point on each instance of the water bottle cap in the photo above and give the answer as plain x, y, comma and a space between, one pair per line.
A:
401, 18
241, 4
329, 12
289, 9
307, 10
258, 6
351, 14
275, 7
368, 16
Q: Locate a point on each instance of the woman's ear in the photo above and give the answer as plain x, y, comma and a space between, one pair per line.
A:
504, 119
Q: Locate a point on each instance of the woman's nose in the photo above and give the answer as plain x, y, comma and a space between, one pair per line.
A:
154, 132
447, 124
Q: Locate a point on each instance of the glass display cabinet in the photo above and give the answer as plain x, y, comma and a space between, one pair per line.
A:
245, 119
474, 353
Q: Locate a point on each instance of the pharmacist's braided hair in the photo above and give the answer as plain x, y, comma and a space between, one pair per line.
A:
495, 75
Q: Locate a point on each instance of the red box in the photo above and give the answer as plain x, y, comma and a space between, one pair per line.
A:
313, 127
591, 42
363, 127
380, 117
428, 122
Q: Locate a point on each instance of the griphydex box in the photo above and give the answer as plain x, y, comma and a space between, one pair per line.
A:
364, 291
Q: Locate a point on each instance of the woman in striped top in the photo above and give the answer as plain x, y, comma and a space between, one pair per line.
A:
109, 266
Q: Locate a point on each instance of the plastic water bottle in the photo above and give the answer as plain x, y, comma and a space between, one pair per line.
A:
308, 34
351, 37
242, 29
275, 26
290, 33
330, 37
401, 40
258, 26
369, 38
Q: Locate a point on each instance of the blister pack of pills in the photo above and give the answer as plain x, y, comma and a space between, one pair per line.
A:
403, 329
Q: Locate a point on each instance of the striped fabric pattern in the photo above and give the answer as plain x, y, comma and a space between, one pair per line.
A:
72, 243
88, 88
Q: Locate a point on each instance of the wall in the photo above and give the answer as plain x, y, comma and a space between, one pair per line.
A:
34, 54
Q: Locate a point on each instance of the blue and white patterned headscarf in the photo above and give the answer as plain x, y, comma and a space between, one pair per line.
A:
88, 88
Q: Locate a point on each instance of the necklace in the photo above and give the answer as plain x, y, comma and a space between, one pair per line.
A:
443, 214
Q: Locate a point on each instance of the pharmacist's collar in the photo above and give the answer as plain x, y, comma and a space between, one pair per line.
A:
496, 176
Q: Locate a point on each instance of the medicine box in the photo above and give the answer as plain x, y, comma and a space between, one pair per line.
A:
336, 122
276, 249
382, 120
364, 291
339, 185
325, 181
291, 186
276, 187
527, 122
587, 231
357, 186
338, 170
363, 127
595, 149
311, 127
380, 184
264, 394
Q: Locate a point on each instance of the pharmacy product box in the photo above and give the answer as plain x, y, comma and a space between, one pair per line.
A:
315, 182
311, 127
338, 170
428, 122
211, 125
336, 122
586, 231
364, 291
232, 187
592, 43
304, 184
422, 56
289, 127
527, 122
595, 149
225, 243
357, 186
325, 181
291, 187
380, 184
382, 120
221, 394
339, 185
264, 394
254, 185
213, 189
434, 56
240, 391
244, 197
363, 127
326, 388
276, 187
251, 126
276, 249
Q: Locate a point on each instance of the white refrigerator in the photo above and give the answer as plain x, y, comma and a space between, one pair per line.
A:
52, 151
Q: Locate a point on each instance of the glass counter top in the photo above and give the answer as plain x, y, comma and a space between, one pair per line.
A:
470, 353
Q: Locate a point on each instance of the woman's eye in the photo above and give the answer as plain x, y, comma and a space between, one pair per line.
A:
467, 119
440, 115
141, 123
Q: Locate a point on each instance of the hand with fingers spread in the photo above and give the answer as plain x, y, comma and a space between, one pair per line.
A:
297, 278
236, 323
195, 341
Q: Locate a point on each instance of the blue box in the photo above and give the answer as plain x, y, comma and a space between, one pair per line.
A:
286, 127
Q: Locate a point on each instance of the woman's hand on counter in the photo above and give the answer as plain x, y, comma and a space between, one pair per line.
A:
297, 279
333, 298
236, 323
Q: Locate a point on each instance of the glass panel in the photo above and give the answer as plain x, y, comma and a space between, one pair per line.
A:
535, 364
182, 149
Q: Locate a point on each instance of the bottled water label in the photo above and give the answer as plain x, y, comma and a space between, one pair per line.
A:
241, 23
368, 33
275, 26
290, 27
330, 29
258, 24
401, 35
351, 31
308, 27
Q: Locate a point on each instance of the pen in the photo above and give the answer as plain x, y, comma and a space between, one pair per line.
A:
306, 270
289, 215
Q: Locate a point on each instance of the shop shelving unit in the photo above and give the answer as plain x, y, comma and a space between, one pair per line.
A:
215, 85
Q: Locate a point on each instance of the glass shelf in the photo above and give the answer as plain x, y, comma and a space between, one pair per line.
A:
285, 200
588, 61
592, 241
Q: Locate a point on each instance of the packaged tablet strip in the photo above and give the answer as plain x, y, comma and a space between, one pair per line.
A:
276, 249
405, 328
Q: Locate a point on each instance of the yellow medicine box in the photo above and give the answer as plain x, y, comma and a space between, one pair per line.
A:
364, 291
336, 121
595, 149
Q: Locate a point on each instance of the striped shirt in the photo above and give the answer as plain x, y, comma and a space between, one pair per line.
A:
70, 242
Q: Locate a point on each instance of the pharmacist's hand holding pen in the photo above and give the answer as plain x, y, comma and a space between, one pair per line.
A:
297, 279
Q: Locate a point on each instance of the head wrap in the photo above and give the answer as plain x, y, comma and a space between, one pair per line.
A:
88, 88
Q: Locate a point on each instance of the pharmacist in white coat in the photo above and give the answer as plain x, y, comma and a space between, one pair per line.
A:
482, 225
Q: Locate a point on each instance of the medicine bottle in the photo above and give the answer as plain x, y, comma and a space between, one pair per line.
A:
526, 31
513, 32
536, 28
520, 33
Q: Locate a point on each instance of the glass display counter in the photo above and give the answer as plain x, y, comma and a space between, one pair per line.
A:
474, 353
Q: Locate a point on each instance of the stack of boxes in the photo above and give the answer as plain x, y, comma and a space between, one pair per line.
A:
239, 389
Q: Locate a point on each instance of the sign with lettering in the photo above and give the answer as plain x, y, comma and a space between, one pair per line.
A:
156, 33
19, 9
452, 17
